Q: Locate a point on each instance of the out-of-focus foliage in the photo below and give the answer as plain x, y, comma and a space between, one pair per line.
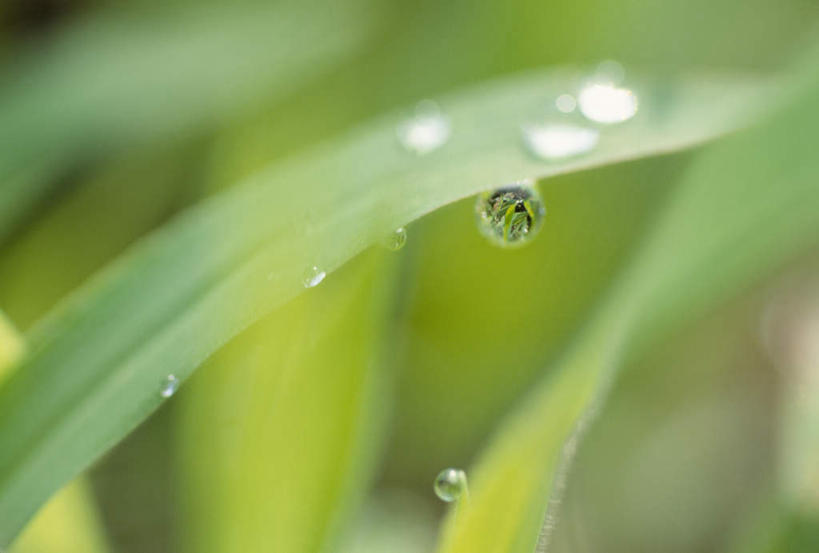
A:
118, 116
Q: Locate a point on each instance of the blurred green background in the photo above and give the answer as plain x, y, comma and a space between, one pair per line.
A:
683, 454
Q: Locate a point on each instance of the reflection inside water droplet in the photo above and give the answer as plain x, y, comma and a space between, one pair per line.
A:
313, 277
426, 131
510, 216
450, 484
552, 141
566, 103
606, 103
396, 239
169, 386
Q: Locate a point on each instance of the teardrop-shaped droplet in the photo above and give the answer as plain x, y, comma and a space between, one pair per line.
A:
396, 239
510, 216
450, 484
426, 131
606, 103
552, 141
169, 386
313, 277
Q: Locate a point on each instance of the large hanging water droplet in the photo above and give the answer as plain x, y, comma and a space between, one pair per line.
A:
169, 386
510, 216
426, 131
559, 141
396, 239
313, 277
450, 484
606, 103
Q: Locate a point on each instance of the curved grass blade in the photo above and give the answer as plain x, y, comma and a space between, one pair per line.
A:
96, 362
746, 207
117, 81
68, 522
280, 430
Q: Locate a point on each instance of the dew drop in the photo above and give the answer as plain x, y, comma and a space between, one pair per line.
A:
552, 141
566, 103
169, 386
610, 71
426, 131
606, 103
450, 484
510, 216
396, 239
313, 277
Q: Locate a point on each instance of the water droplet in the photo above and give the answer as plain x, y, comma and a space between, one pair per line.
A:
169, 386
450, 484
426, 131
606, 103
510, 216
610, 71
566, 103
313, 277
396, 239
558, 141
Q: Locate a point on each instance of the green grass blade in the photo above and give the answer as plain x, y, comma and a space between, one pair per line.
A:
97, 361
758, 184
69, 521
279, 432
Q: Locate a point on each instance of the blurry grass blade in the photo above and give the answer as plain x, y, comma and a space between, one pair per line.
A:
11, 347
116, 81
97, 360
280, 430
748, 205
68, 523
21, 192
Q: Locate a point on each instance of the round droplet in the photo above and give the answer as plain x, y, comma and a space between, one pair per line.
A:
566, 103
610, 71
510, 216
450, 484
606, 103
559, 141
169, 386
313, 277
396, 239
426, 131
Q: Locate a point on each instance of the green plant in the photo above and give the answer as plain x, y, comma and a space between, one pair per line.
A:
280, 434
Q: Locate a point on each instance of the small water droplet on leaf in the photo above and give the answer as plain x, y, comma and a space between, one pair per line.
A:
396, 239
566, 103
553, 141
606, 103
313, 277
426, 131
450, 484
169, 386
